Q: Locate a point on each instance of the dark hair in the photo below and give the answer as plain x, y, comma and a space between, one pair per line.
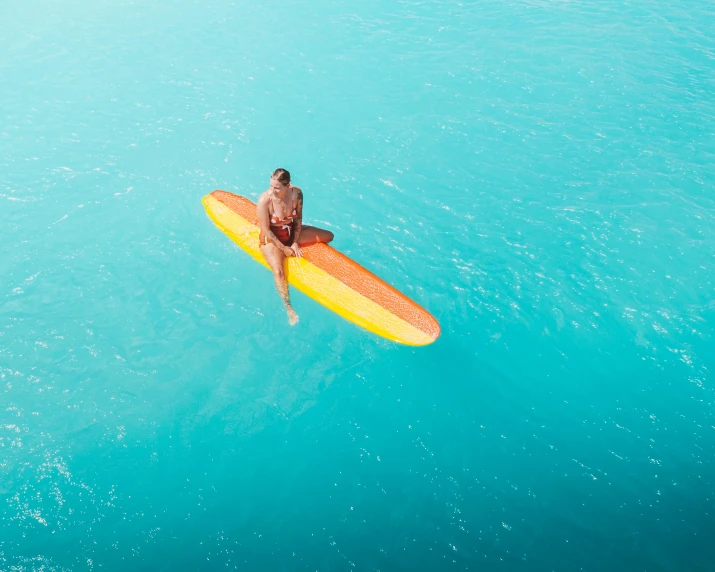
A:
282, 175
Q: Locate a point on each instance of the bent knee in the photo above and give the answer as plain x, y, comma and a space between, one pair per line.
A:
279, 274
329, 236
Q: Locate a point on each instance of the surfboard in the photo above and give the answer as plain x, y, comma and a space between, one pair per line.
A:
330, 278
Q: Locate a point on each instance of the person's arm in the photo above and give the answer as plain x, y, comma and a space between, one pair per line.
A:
264, 223
298, 221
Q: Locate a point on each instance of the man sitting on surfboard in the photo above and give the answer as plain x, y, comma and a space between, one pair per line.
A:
280, 216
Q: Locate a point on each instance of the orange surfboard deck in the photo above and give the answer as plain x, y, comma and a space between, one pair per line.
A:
331, 278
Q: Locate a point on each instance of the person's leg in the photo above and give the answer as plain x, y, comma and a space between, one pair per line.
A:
275, 258
312, 234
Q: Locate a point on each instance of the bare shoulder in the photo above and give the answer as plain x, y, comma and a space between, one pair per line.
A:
263, 200
298, 192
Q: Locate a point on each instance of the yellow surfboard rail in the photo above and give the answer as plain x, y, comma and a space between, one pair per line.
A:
330, 278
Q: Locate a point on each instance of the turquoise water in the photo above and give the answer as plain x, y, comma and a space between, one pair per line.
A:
537, 174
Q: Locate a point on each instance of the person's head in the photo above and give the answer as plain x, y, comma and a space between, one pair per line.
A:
280, 179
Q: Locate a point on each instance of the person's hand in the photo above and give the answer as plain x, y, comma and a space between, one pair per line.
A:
297, 250
288, 252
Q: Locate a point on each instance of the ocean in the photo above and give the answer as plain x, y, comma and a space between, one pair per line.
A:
537, 174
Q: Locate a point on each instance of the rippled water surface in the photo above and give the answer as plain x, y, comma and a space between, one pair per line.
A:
538, 174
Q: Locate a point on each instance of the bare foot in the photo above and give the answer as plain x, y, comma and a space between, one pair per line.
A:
292, 317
